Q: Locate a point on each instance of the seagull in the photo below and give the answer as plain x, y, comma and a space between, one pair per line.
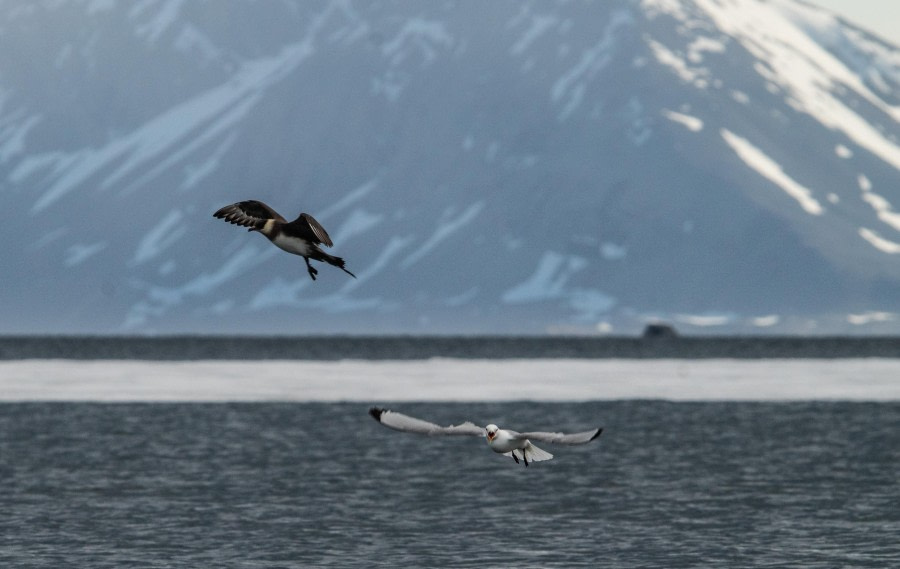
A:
501, 441
300, 237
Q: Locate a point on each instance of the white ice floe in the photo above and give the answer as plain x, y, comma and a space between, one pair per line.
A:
705, 320
870, 317
451, 380
766, 321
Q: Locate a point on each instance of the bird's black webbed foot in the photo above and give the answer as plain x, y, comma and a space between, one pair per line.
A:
516, 458
312, 270
525, 458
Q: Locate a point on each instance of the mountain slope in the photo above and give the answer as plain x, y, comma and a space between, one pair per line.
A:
509, 167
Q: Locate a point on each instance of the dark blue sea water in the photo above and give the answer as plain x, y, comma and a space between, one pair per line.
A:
322, 485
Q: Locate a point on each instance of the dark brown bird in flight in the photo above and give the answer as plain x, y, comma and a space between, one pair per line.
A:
300, 237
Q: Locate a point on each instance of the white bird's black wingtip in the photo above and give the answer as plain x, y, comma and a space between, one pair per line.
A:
597, 434
376, 412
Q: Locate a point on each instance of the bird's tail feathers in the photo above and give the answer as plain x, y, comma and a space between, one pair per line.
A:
531, 453
337, 262
535, 454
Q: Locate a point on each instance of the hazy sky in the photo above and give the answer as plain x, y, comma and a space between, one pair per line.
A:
879, 16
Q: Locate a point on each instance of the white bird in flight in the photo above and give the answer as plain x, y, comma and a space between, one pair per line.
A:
502, 441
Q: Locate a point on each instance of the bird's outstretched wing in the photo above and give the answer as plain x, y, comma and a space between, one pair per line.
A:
250, 213
312, 229
561, 438
407, 424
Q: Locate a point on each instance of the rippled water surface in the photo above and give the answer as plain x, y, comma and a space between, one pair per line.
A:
322, 485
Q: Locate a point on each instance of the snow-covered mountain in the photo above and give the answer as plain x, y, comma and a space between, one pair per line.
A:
484, 167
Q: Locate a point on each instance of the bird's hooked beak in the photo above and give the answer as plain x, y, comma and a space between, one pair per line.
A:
491, 435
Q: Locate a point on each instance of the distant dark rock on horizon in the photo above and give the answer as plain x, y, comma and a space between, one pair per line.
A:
659, 330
